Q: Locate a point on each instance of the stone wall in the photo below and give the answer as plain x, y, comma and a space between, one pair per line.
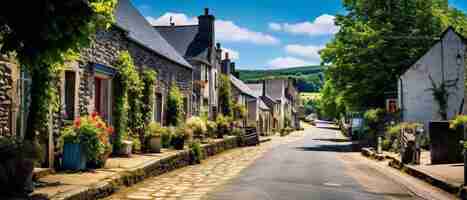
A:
105, 50
8, 101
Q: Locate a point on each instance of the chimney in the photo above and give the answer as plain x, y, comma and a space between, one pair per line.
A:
218, 51
226, 64
232, 68
206, 27
264, 87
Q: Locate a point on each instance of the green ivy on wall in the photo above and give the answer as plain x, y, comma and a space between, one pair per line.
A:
175, 106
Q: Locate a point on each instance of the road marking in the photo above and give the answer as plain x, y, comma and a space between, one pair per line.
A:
332, 184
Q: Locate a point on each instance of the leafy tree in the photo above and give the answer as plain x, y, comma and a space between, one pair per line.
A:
53, 32
377, 41
175, 106
225, 96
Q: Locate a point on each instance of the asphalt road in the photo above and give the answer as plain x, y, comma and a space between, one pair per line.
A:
319, 166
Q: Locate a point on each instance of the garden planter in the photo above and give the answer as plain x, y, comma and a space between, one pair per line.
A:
96, 164
445, 147
155, 144
178, 143
126, 149
74, 157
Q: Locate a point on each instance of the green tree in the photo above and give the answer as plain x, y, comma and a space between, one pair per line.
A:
225, 96
378, 40
53, 32
175, 111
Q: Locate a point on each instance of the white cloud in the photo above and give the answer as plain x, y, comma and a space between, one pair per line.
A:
275, 26
226, 31
177, 18
233, 55
286, 62
310, 51
322, 25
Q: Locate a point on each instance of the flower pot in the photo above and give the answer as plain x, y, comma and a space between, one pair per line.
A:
74, 157
100, 163
126, 148
155, 144
178, 143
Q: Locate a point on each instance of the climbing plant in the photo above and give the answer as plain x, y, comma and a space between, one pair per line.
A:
441, 94
149, 81
64, 28
174, 106
122, 83
225, 96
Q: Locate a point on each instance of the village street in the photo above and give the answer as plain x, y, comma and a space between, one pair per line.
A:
315, 164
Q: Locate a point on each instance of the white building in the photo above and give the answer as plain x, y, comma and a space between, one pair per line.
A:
444, 62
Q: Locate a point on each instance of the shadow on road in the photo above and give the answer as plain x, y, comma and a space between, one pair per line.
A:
332, 140
329, 127
332, 148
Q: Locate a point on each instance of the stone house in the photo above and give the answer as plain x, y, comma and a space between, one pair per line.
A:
277, 89
271, 115
443, 62
196, 43
87, 85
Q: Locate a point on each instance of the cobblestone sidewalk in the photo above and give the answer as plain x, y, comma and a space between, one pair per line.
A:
194, 182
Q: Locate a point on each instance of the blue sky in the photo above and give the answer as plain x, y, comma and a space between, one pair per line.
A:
262, 35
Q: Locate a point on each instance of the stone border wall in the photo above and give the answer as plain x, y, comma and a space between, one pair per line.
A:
150, 169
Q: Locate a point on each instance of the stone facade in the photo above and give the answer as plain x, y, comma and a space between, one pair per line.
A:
105, 50
8, 100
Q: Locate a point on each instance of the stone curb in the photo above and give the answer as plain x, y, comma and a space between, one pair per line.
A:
132, 176
368, 152
433, 180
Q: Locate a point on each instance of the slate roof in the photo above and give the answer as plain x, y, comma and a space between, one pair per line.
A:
186, 40
450, 28
140, 31
263, 106
240, 85
258, 91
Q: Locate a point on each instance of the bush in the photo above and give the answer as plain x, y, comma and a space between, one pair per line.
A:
386, 145
457, 121
196, 153
154, 129
223, 126
198, 126
211, 129
166, 137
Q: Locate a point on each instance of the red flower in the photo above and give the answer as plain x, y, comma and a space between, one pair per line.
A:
99, 125
110, 130
94, 115
77, 122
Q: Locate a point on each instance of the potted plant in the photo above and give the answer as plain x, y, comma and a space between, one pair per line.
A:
166, 137
86, 143
153, 137
182, 133
223, 126
198, 126
17, 165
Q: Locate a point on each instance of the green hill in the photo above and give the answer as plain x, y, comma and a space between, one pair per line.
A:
309, 78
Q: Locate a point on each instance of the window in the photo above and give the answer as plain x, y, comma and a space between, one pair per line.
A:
70, 95
102, 97
185, 106
158, 108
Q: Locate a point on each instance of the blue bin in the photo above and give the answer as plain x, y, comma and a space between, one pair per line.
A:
74, 157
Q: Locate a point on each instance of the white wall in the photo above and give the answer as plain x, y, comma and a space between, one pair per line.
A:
440, 62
